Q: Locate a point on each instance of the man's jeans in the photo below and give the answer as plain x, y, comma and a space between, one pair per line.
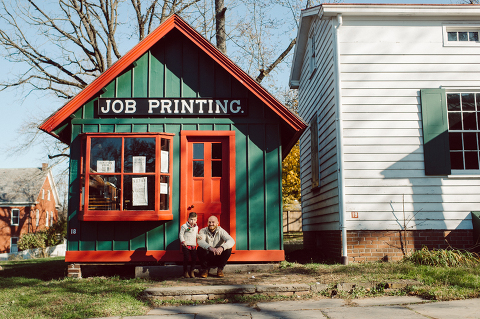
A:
209, 260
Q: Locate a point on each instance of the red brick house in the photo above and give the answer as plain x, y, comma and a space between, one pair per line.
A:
28, 203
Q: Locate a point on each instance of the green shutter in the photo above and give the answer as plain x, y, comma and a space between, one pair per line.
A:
436, 147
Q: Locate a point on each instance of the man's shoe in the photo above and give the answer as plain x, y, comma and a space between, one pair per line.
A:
192, 274
204, 273
186, 274
220, 273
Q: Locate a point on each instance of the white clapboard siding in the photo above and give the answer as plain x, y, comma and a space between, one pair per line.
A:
316, 93
381, 84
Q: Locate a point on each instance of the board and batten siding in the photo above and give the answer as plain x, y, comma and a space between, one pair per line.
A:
174, 67
316, 93
384, 64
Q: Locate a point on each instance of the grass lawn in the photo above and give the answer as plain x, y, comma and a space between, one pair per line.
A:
38, 288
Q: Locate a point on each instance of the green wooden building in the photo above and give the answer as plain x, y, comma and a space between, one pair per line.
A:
173, 127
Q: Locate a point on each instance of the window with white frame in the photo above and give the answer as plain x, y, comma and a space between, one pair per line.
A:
48, 195
51, 219
463, 111
461, 35
43, 194
37, 217
14, 245
46, 219
15, 217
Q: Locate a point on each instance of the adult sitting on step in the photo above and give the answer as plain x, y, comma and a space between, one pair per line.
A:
215, 247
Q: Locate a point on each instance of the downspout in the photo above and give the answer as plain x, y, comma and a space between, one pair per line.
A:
339, 128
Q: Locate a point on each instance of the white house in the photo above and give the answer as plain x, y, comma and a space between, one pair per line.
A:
391, 160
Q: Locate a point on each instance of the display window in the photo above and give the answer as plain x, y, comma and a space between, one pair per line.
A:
126, 177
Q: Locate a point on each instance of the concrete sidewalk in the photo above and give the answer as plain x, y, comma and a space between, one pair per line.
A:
369, 308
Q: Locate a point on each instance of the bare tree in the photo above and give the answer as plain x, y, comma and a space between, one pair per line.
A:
220, 26
60, 46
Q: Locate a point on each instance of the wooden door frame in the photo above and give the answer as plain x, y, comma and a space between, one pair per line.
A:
231, 205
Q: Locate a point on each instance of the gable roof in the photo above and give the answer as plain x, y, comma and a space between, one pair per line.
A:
329, 10
21, 186
175, 22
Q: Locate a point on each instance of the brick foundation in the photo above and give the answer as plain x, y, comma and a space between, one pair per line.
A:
374, 245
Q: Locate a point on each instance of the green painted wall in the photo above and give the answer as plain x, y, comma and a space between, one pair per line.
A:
175, 67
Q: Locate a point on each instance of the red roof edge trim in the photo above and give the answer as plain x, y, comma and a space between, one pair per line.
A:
105, 78
242, 77
136, 52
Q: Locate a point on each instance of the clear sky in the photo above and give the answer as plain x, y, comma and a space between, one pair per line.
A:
17, 107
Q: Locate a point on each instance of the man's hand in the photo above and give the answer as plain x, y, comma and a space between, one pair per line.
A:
216, 251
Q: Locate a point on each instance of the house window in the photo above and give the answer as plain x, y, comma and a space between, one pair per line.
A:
46, 219
463, 130
51, 219
37, 217
126, 177
48, 195
43, 194
15, 217
14, 245
314, 152
461, 35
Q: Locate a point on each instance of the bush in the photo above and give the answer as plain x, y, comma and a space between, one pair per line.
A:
443, 258
45, 238
32, 240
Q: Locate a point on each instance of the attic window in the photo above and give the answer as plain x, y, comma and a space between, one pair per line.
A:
461, 35
129, 177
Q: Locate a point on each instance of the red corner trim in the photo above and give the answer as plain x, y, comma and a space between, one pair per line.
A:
173, 22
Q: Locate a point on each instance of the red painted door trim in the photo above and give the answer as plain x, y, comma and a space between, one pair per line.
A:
231, 205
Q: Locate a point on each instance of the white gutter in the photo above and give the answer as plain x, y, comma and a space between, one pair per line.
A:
17, 204
337, 23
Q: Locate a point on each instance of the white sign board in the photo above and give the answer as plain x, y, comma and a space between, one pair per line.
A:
105, 166
139, 164
140, 191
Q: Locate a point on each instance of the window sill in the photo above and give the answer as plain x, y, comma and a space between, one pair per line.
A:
125, 216
465, 174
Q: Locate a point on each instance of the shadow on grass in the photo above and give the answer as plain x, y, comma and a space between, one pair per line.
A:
38, 269
306, 256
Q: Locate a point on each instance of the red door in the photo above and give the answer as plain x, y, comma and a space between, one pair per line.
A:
207, 185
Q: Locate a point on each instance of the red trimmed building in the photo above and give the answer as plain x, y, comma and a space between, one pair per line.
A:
28, 203
173, 127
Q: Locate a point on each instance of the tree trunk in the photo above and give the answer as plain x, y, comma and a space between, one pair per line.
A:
221, 36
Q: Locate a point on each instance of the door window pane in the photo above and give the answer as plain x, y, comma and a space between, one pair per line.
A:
216, 168
198, 150
216, 150
105, 155
462, 36
468, 102
140, 155
469, 121
198, 168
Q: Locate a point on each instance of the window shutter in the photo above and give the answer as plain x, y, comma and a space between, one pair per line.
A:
314, 152
436, 148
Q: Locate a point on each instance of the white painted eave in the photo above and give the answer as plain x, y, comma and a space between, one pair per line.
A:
413, 10
300, 46
326, 11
